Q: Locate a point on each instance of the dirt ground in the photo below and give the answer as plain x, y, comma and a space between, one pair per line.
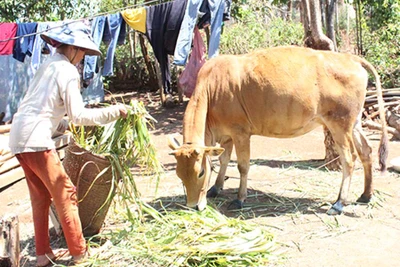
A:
289, 193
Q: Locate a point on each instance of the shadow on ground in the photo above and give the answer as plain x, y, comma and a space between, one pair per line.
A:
258, 204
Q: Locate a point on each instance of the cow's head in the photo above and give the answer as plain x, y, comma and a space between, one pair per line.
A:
194, 169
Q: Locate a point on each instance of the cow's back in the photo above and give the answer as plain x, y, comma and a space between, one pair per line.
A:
281, 92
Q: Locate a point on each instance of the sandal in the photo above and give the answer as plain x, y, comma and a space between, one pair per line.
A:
80, 258
49, 258
61, 253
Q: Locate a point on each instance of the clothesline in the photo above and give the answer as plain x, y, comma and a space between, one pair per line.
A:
81, 19
168, 27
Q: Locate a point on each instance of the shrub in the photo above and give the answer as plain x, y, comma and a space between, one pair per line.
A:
242, 37
382, 49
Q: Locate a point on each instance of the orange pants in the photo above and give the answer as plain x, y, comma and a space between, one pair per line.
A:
48, 180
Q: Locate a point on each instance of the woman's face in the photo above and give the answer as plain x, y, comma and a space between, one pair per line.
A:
80, 53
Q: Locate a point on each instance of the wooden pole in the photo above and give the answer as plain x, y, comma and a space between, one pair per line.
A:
9, 241
150, 68
5, 128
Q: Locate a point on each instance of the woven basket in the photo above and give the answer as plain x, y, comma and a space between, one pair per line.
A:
92, 176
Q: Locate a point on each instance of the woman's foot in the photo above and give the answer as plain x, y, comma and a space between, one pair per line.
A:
44, 260
80, 258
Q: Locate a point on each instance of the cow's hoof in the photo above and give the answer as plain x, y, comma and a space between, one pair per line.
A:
363, 199
336, 209
212, 192
169, 101
236, 205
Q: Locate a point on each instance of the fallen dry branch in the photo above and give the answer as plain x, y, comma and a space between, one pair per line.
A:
376, 126
4, 157
374, 104
393, 120
5, 128
372, 115
389, 90
10, 169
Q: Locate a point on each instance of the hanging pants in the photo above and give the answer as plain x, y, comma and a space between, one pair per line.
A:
48, 180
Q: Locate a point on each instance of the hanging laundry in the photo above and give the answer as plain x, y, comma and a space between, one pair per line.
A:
91, 62
187, 79
38, 45
14, 79
7, 31
114, 33
227, 10
135, 18
24, 46
185, 37
204, 15
163, 24
217, 10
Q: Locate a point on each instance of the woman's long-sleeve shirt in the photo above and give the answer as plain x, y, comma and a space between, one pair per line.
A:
54, 91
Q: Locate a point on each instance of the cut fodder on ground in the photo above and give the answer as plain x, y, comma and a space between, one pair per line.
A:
187, 238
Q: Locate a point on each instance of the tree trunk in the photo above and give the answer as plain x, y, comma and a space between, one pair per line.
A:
360, 49
316, 39
330, 21
289, 11
331, 156
322, 4
163, 97
305, 20
150, 68
132, 43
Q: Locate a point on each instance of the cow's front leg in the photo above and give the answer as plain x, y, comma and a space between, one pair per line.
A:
242, 146
224, 161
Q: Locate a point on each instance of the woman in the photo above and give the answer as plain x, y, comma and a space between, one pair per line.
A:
54, 91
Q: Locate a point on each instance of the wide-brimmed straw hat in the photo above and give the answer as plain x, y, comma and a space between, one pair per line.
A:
74, 33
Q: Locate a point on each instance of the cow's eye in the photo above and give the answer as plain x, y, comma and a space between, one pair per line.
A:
201, 174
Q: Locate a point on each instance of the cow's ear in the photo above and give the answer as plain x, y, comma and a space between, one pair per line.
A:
173, 153
215, 151
173, 143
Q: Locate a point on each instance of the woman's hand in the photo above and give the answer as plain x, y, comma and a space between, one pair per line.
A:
123, 111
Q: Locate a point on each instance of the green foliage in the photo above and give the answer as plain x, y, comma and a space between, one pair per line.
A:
46, 10
254, 25
382, 49
381, 12
282, 32
380, 25
243, 37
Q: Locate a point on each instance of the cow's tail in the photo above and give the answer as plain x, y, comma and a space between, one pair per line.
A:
383, 146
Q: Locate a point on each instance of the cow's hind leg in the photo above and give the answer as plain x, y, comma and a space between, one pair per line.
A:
346, 149
365, 152
224, 159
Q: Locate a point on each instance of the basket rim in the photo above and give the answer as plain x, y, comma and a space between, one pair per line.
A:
100, 156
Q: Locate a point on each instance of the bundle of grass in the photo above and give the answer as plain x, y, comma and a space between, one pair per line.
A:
126, 144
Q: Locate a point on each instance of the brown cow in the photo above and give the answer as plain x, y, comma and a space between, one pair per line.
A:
279, 92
